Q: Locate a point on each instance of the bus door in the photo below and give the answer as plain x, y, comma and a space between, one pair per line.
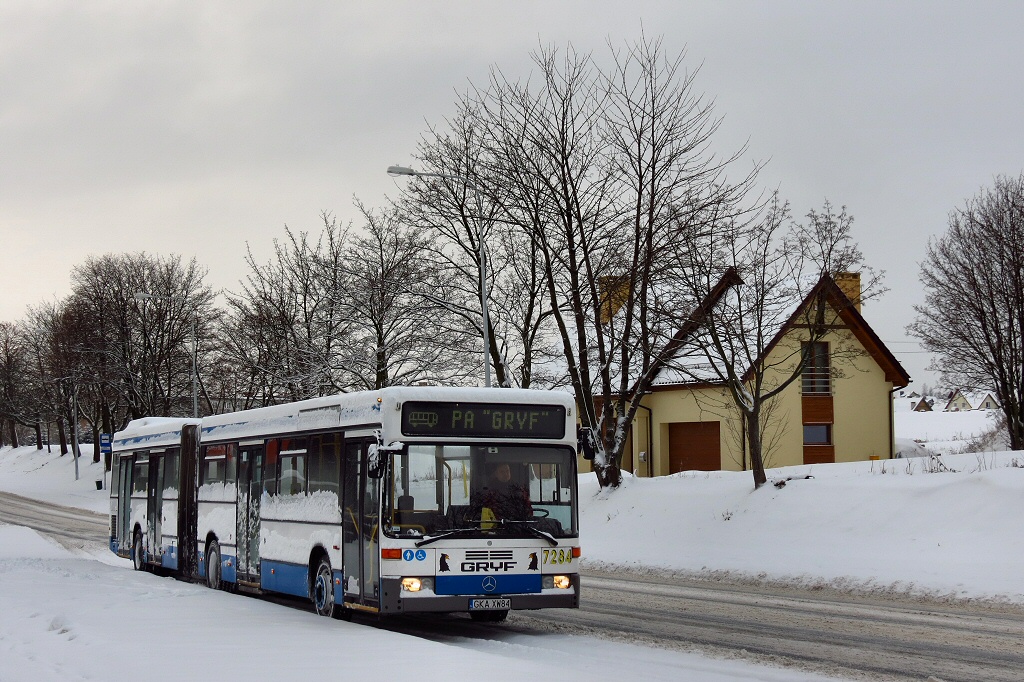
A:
360, 525
250, 490
154, 504
170, 494
124, 502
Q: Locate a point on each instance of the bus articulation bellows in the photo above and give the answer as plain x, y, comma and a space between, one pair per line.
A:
402, 500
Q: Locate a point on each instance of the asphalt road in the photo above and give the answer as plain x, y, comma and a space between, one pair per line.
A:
882, 637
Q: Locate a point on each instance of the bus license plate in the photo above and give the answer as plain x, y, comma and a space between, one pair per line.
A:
489, 604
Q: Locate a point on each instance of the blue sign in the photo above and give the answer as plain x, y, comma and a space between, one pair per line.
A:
421, 554
407, 555
105, 443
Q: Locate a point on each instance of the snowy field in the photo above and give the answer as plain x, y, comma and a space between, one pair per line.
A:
947, 528
942, 432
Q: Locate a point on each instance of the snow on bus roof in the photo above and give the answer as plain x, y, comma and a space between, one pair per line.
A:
358, 408
152, 431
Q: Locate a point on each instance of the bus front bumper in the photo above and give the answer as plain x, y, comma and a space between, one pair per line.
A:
394, 600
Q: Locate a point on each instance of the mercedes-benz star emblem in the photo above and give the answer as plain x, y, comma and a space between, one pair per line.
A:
489, 584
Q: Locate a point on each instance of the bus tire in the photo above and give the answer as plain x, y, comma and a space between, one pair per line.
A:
322, 591
489, 616
213, 580
138, 556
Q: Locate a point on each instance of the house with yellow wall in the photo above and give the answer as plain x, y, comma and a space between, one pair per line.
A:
839, 410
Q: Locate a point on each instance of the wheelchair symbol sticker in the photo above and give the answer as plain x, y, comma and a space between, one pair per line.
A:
421, 554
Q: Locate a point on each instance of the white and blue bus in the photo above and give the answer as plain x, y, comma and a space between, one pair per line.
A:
402, 500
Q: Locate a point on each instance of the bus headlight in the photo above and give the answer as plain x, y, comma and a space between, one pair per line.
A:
417, 584
562, 582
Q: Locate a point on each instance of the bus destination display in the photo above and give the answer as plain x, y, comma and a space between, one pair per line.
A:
483, 419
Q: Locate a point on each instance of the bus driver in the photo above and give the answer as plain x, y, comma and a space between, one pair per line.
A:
506, 499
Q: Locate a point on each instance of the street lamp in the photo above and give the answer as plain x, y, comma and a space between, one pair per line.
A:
143, 296
402, 170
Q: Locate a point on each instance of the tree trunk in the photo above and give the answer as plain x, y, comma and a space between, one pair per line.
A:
752, 422
608, 475
14, 433
95, 443
39, 434
1015, 427
63, 435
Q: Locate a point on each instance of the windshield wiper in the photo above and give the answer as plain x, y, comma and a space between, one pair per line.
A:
457, 531
536, 531
504, 523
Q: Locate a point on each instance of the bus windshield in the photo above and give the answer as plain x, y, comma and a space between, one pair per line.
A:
495, 489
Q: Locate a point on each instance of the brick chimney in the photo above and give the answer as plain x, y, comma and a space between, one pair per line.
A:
849, 284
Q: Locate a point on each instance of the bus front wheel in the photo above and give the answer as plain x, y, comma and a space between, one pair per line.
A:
323, 591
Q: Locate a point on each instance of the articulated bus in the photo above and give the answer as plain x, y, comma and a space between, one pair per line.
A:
402, 500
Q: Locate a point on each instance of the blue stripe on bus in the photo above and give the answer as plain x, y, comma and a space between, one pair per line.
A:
285, 578
228, 567
474, 584
169, 559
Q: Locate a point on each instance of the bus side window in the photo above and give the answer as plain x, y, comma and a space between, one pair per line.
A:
270, 467
171, 470
214, 461
293, 474
140, 476
324, 459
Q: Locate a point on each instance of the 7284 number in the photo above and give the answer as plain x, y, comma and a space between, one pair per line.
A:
557, 556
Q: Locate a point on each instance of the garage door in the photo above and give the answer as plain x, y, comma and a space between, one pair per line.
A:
694, 446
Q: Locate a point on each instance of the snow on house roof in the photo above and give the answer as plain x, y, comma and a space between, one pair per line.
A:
688, 363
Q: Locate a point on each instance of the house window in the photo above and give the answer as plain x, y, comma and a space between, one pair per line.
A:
817, 434
817, 375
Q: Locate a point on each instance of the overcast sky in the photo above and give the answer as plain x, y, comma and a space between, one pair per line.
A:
196, 128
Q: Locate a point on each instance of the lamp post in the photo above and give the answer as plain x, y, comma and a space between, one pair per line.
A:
402, 170
143, 296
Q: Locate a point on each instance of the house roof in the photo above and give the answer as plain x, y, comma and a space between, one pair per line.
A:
683, 363
974, 399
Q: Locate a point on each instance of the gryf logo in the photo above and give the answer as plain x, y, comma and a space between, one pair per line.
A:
487, 566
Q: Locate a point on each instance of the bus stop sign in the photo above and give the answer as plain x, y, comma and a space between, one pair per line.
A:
105, 443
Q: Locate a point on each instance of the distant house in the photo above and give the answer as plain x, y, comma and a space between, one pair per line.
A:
922, 405
961, 401
958, 402
839, 410
983, 400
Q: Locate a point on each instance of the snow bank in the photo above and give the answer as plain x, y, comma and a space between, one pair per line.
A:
943, 527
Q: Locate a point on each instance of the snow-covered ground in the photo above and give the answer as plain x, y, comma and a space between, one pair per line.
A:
947, 528
942, 432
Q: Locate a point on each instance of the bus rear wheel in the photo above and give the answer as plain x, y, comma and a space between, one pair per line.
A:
213, 566
323, 591
138, 559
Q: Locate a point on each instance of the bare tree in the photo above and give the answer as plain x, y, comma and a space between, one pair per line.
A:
973, 314
456, 206
401, 333
285, 328
598, 171
141, 351
17, 403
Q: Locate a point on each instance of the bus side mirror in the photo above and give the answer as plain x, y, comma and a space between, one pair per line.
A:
377, 458
585, 441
